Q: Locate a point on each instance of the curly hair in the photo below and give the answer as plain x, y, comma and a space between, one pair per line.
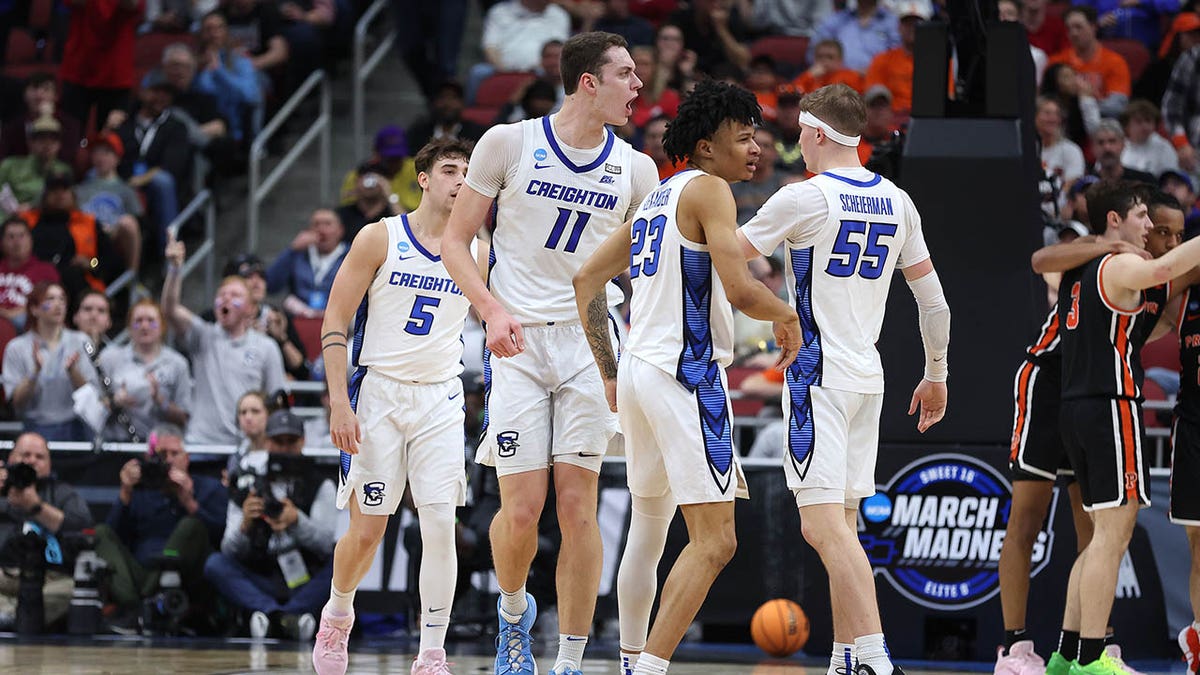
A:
709, 106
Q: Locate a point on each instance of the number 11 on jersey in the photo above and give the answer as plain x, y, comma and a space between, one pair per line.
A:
560, 226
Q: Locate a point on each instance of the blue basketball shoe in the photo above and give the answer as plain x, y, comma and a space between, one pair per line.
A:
514, 655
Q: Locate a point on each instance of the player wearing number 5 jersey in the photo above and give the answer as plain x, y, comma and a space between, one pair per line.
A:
845, 231
399, 420
561, 184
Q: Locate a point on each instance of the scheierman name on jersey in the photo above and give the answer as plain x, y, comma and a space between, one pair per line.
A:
572, 195
872, 206
424, 282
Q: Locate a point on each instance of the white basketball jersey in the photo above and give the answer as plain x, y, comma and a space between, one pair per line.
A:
409, 326
680, 319
838, 278
550, 218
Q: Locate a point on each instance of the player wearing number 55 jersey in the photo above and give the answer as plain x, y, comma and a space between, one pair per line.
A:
561, 185
399, 421
845, 231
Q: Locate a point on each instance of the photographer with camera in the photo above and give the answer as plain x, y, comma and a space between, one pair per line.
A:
276, 559
33, 496
165, 520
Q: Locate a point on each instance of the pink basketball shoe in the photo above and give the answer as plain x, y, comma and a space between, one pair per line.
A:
329, 654
1020, 660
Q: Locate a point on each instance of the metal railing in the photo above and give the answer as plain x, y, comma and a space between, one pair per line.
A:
363, 67
260, 187
206, 252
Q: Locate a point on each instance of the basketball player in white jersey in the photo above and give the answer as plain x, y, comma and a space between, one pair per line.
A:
686, 267
845, 231
400, 420
562, 184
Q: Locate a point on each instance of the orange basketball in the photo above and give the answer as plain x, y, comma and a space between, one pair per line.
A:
779, 627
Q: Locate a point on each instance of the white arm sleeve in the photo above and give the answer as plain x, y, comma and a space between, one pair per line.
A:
494, 161
935, 324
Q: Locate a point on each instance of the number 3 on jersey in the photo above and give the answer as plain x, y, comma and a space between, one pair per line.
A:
867, 260
1073, 313
421, 319
647, 237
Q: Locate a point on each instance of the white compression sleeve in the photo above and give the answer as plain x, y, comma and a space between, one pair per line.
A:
439, 572
935, 324
637, 577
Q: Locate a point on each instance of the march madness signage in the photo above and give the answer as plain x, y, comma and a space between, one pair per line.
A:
935, 531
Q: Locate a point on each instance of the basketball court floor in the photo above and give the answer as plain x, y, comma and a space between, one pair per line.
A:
134, 656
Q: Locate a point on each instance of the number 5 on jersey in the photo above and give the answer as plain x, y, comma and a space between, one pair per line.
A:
421, 318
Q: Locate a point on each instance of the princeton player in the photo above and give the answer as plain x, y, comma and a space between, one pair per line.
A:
686, 268
561, 184
845, 231
399, 421
1104, 323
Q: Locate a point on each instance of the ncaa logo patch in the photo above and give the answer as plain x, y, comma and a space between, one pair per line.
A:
506, 443
402, 246
539, 154
936, 529
373, 493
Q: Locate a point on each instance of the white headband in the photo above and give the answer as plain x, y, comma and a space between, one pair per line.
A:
833, 134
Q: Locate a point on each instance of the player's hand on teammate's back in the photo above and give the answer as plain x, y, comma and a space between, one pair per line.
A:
1126, 247
504, 335
789, 338
344, 430
931, 398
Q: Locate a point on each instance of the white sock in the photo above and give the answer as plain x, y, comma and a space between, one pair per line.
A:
841, 660
439, 572
649, 664
629, 660
513, 604
570, 652
871, 650
340, 604
637, 581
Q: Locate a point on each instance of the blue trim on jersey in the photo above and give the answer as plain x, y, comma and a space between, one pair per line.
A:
856, 183
677, 173
805, 371
413, 239
360, 329
608, 145
696, 363
487, 390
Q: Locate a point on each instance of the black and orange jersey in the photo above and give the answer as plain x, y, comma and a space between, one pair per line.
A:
1101, 343
1189, 355
1045, 351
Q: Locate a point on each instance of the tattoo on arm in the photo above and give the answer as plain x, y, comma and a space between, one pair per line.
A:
333, 332
598, 336
334, 344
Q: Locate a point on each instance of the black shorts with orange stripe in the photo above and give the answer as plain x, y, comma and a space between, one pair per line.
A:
1037, 451
1185, 471
1104, 440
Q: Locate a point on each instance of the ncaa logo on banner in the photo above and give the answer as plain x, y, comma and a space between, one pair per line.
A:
935, 531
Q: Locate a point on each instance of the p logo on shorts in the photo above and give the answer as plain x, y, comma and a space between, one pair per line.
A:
506, 443
1131, 480
373, 494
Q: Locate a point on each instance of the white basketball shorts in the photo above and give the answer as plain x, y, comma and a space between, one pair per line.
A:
832, 442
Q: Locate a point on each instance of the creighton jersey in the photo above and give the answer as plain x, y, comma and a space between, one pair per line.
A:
550, 218
409, 326
846, 232
681, 320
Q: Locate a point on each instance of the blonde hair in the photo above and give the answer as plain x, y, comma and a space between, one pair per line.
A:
839, 106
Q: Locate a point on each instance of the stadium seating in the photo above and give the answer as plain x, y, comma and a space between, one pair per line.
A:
493, 93
790, 53
1136, 56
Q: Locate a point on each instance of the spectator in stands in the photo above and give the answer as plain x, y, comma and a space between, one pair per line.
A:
97, 68
165, 518
513, 34
1046, 31
230, 77
20, 271
787, 127
195, 107
214, 348
716, 32
656, 98
70, 239
763, 80
256, 29
391, 159
828, 67
167, 16
41, 99
1061, 157
305, 270
149, 382
864, 31
652, 145
247, 571
1076, 206
305, 27
1103, 72
1138, 20
881, 122
444, 119
1010, 10
115, 205
751, 194
253, 272
45, 365
549, 70
894, 68
617, 18
1108, 146
56, 509
253, 408
93, 318
1181, 108
1081, 110
1145, 149
676, 65
428, 39
1182, 36
1183, 188
373, 199
798, 18
536, 99
278, 326
26, 175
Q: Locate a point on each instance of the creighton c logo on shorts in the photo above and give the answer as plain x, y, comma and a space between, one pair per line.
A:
506, 443
373, 494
